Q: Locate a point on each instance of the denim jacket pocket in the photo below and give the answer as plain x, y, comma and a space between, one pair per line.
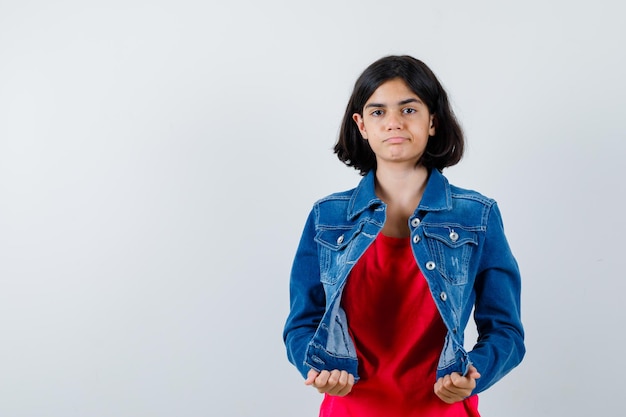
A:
334, 245
451, 248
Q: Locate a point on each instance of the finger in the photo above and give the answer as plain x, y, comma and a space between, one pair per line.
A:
445, 385
334, 376
348, 387
463, 382
310, 378
447, 381
321, 380
456, 379
452, 388
336, 381
340, 383
448, 389
448, 398
443, 394
472, 372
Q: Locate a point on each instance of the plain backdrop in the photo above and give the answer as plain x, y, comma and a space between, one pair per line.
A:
158, 160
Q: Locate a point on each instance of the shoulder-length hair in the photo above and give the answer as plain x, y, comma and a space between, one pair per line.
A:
444, 149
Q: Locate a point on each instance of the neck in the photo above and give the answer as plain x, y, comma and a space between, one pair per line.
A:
402, 191
401, 186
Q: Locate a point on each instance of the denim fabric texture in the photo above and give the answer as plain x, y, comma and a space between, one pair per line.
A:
459, 244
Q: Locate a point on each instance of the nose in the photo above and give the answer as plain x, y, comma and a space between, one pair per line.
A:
394, 121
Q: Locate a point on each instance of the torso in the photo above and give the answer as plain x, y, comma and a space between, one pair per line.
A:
398, 334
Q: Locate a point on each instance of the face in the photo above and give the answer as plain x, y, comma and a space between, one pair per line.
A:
396, 123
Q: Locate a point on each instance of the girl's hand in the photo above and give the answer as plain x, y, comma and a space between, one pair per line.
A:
335, 382
455, 387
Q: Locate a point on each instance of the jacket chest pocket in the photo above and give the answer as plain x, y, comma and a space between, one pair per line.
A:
451, 248
334, 251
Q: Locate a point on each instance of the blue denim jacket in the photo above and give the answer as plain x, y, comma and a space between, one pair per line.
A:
459, 244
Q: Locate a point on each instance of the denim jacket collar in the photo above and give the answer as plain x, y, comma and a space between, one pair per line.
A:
437, 195
364, 196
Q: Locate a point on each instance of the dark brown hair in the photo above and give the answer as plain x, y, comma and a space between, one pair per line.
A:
444, 149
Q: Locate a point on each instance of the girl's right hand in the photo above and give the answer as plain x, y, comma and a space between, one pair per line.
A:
335, 382
455, 387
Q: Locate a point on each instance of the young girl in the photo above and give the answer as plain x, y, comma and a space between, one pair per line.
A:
386, 274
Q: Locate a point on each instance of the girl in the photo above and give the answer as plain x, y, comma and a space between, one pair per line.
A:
387, 274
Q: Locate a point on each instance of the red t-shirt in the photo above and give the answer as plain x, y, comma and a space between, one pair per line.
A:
398, 334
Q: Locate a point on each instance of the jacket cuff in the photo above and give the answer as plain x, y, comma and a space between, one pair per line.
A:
317, 358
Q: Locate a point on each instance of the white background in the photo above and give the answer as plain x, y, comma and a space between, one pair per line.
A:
158, 160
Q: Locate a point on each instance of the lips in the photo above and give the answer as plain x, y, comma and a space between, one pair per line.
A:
395, 139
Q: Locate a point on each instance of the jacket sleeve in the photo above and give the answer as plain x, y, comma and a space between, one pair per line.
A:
500, 344
307, 298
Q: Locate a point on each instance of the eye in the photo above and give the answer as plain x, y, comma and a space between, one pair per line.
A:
377, 113
409, 110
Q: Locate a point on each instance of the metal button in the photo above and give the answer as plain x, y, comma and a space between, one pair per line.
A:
443, 296
415, 222
340, 240
454, 236
430, 265
416, 239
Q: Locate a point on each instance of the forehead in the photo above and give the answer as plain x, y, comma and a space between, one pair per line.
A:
390, 91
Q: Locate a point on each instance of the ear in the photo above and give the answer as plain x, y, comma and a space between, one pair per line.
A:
358, 119
433, 123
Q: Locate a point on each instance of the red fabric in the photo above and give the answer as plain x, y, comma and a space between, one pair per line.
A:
398, 334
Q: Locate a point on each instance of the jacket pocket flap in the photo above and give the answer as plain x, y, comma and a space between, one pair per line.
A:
454, 237
337, 238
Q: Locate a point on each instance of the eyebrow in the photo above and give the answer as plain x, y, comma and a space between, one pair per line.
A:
400, 103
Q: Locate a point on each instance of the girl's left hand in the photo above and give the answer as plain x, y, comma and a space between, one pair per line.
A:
455, 387
335, 382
